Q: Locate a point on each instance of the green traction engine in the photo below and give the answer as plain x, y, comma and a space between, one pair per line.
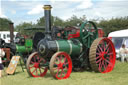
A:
21, 48
79, 51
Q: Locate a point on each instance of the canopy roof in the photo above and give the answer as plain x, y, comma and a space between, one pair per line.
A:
120, 33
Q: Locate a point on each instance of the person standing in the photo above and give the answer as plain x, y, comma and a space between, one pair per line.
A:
2, 54
123, 53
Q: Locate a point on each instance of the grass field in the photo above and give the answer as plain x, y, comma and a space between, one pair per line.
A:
119, 76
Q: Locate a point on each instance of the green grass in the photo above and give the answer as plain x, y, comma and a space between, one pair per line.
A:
119, 76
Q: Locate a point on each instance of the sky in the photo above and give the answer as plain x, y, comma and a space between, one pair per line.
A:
20, 11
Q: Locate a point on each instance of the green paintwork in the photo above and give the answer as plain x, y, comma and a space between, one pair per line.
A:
26, 48
69, 47
86, 34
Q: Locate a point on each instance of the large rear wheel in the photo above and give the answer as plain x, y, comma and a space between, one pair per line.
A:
102, 55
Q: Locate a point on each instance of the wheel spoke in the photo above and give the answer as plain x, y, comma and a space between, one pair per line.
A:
104, 47
99, 60
63, 71
58, 59
40, 60
66, 67
100, 66
107, 50
107, 45
57, 71
40, 70
97, 57
34, 70
103, 64
85, 37
64, 59
110, 54
61, 57
55, 63
109, 63
66, 63
34, 59
98, 53
108, 58
100, 48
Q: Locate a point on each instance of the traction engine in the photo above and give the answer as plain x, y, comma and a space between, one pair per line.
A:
79, 51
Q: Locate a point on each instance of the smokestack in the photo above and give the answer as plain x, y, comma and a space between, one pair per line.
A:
11, 32
47, 13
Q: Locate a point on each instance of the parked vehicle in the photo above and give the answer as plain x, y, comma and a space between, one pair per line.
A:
118, 38
5, 35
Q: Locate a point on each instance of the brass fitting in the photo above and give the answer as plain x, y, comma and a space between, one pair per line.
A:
47, 7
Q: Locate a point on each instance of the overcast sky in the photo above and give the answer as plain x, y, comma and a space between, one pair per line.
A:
31, 10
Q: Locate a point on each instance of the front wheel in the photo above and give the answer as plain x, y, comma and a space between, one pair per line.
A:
36, 65
60, 65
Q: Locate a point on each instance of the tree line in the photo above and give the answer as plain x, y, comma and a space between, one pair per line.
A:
107, 25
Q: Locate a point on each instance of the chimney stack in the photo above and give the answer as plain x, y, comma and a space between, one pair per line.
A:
47, 13
11, 32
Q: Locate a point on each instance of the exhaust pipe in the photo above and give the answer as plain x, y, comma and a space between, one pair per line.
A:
11, 32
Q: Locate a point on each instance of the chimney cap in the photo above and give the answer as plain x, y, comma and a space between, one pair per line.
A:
47, 7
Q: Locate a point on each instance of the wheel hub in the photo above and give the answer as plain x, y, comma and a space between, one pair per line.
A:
60, 65
103, 55
36, 65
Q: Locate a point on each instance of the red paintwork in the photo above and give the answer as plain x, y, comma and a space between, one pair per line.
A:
106, 56
63, 65
35, 69
74, 35
100, 32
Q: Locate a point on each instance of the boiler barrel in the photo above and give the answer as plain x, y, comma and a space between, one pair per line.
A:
72, 47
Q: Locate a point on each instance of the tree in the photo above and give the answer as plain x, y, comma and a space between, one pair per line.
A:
113, 24
4, 24
21, 28
54, 21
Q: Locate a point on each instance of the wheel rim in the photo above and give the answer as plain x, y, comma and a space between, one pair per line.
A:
104, 58
88, 33
35, 66
60, 65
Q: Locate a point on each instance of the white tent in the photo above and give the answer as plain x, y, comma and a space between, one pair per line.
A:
120, 33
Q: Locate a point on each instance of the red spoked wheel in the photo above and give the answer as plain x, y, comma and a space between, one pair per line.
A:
36, 65
102, 55
60, 65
